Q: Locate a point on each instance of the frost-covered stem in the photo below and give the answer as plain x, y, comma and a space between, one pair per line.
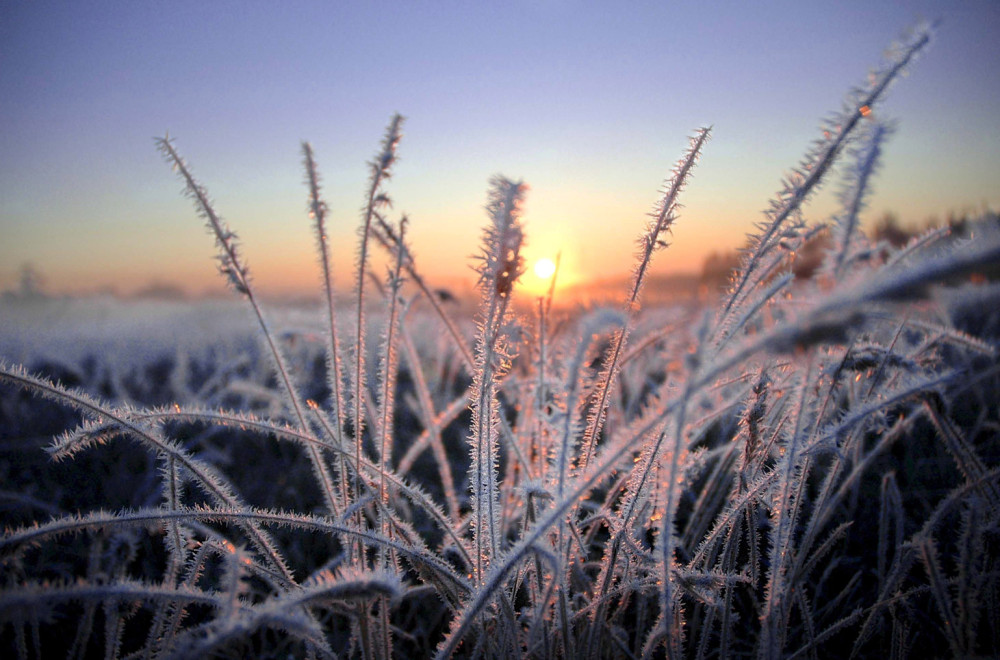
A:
175, 539
380, 171
232, 266
432, 424
537, 448
210, 481
502, 265
662, 219
816, 163
634, 495
939, 587
552, 283
592, 328
414, 495
441, 421
619, 528
578, 487
484, 457
317, 211
390, 363
783, 514
540, 447
384, 234
672, 614
853, 196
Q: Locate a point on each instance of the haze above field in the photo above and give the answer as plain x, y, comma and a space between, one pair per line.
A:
588, 103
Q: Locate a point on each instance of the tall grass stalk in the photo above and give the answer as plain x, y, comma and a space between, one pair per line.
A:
335, 376
662, 219
381, 170
501, 265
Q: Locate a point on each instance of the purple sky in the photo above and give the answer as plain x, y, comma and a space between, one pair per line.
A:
590, 103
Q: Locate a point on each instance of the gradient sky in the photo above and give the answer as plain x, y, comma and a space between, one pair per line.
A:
590, 103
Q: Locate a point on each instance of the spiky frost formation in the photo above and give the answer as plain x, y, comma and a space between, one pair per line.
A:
500, 265
662, 218
388, 371
381, 170
665, 212
231, 264
782, 229
236, 273
501, 258
856, 188
335, 375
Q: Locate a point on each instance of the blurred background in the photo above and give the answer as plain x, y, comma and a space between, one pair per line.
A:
590, 103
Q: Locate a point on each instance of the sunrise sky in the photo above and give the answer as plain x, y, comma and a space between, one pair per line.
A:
590, 103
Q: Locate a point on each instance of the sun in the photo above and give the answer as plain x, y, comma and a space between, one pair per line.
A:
543, 272
544, 268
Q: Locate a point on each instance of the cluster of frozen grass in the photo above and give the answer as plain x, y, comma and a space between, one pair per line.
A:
804, 469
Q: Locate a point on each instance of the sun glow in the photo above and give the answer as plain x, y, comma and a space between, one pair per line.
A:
544, 268
542, 273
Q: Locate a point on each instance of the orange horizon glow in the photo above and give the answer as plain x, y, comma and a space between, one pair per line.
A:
578, 110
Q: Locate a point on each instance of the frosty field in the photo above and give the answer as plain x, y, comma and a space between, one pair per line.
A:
801, 467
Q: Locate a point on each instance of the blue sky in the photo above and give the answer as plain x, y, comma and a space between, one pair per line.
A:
590, 103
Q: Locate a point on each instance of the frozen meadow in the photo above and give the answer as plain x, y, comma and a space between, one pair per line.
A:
800, 467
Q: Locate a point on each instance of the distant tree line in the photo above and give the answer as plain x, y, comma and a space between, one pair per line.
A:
887, 232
